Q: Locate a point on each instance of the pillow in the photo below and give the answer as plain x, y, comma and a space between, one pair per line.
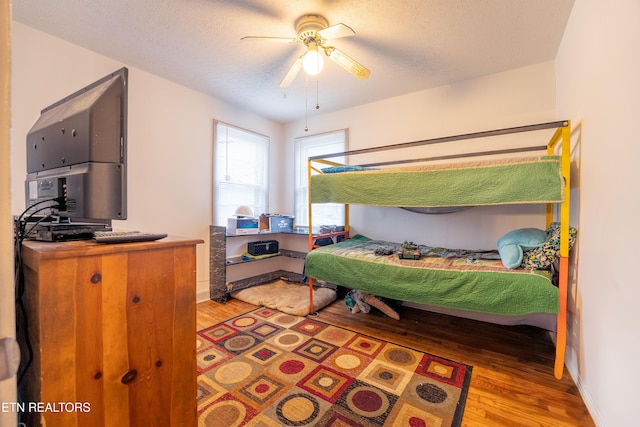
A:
543, 256
512, 245
346, 168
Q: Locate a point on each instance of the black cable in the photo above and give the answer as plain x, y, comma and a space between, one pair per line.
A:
58, 200
21, 233
35, 224
19, 302
20, 307
21, 310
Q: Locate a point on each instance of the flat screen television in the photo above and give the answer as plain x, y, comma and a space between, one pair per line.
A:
77, 155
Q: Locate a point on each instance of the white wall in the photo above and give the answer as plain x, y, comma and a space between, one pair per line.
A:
518, 97
169, 139
598, 69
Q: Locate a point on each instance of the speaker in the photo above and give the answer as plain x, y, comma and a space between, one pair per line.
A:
263, 247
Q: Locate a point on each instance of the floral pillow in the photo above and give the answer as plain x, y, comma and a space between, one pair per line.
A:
543, 256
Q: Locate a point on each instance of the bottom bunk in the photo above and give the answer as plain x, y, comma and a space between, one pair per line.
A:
451, 281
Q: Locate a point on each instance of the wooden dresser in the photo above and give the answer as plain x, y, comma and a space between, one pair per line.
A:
113, 333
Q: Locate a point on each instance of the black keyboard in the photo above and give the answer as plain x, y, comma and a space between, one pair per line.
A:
126, 236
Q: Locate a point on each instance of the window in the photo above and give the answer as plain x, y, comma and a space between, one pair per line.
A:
305, 147
240, 171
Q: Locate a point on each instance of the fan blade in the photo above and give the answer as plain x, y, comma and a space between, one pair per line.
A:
347, 63
292, 73
336, 31
269, 39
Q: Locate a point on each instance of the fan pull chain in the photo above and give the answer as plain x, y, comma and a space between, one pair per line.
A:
317, 92
306, 100
306, 103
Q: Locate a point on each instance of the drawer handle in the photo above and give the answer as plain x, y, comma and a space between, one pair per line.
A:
129, 377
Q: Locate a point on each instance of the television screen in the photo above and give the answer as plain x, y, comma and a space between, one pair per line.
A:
76, 154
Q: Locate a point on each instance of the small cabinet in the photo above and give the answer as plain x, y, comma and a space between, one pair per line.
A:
112, 332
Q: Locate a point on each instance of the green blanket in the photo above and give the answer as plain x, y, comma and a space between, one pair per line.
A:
466, 280
511, 181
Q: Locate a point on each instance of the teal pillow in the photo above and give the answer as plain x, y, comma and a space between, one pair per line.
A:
512, 245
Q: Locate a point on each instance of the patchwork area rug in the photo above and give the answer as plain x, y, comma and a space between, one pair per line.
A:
268, 368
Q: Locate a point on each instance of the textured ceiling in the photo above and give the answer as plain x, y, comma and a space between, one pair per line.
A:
409, 45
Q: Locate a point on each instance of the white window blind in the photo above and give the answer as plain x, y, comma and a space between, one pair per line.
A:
241, 161
314, 145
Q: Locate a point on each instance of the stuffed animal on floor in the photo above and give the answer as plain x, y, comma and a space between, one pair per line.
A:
361, 302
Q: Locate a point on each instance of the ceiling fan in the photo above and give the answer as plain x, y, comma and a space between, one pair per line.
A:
313, 33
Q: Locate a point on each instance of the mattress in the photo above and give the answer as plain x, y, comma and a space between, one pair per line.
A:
533, 179
468, 280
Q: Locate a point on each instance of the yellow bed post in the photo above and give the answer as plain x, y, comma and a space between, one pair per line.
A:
310, 247
562, 135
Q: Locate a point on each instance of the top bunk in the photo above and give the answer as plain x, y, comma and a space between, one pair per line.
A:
522, 175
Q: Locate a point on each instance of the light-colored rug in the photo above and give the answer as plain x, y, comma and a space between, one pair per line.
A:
290, 298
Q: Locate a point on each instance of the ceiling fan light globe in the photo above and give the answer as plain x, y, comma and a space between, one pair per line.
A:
312, 62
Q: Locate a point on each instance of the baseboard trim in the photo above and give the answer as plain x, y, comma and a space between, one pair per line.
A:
588, 400
203, 296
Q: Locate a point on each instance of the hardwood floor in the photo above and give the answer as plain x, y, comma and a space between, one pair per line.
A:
512, 382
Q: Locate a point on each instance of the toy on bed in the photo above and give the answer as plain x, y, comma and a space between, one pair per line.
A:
361, 302
409, 251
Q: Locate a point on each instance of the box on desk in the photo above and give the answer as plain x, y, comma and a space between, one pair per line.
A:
276, 223
241, 225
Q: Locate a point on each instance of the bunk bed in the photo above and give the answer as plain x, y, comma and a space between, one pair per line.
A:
461, 280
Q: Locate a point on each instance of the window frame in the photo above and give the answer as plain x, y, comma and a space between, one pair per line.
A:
218, 217
300, 184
